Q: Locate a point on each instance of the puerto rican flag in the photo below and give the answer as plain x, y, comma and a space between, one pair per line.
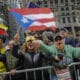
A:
35, 18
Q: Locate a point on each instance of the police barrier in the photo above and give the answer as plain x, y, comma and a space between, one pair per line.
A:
61, 74
76, 70
29, 70
72, 69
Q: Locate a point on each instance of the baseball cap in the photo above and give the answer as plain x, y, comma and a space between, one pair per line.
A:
58, 37
30, 38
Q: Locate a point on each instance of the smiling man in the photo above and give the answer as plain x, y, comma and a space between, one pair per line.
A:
59, 47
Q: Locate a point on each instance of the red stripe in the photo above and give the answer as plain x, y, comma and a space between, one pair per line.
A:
42, 28
24, 11
53, 28
36, 28
46, 20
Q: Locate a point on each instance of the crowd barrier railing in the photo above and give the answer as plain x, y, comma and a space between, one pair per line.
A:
29, 70
61, 74
65, 74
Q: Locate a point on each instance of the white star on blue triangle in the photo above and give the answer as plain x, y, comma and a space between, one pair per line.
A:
23, 21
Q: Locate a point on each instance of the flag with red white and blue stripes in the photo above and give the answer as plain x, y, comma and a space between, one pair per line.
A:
35, 18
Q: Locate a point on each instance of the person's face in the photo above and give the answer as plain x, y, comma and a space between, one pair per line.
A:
63, 34
59, 44
30, 45
10, 44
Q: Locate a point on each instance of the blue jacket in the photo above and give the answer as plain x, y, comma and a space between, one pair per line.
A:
70, 41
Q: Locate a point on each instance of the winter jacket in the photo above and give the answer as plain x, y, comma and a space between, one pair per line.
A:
70, 41
69, 54
30, 60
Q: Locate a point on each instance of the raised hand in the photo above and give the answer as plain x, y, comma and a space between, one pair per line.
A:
16, 38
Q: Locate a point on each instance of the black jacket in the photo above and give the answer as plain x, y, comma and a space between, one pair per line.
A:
31, 60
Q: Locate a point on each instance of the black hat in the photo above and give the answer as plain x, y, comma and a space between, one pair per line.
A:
58, 37
3, 37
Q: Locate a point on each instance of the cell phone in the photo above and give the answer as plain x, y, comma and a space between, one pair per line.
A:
61, 55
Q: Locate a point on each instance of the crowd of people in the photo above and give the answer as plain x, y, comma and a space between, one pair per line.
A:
39, 49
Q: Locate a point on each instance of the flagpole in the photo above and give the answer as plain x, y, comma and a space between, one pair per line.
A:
28, 4
18, 29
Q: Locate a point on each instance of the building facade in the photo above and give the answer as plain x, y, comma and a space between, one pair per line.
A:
66, 12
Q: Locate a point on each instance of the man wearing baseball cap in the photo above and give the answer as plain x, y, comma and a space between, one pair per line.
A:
59, 47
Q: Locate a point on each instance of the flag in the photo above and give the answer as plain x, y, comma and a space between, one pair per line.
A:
32, 5
35, 18
22, 20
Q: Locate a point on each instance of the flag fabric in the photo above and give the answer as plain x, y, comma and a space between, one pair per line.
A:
22, 20
35, 18
32, 5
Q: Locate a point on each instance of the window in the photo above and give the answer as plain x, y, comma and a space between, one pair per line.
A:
61, 1
46, 5
69, 20
39, 3
63, 14
74, 19
66, 4
66, 0
67, 8
63, 20
72, 7
72, 0
45, 1
62, 9
67, 14
73, 13
56, 1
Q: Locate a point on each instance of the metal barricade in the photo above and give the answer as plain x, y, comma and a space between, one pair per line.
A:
26, 71
76, 70
61, 74
72, 72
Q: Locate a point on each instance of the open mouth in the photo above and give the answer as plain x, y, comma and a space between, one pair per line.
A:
30, 44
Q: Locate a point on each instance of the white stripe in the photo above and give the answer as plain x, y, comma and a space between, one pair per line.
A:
48, 24
39, 16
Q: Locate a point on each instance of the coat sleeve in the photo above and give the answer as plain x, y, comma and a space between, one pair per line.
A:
16, 51
45, 48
